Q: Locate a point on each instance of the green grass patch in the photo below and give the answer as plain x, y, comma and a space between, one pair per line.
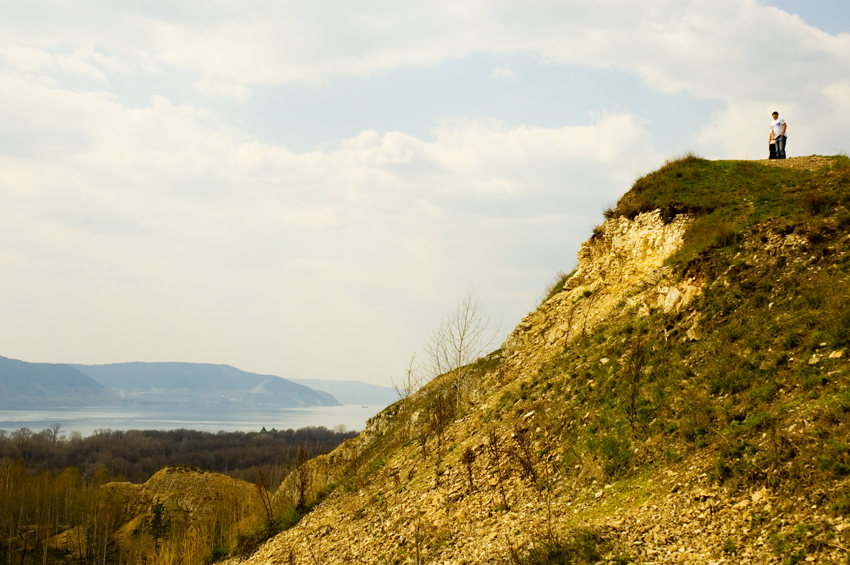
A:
727, 197
584, 545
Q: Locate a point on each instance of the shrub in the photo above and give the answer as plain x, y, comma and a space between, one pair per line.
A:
248, 543
557, 285
583, 546
615, 450
841, 504
217, 554
837, 458
817, 202
739, 464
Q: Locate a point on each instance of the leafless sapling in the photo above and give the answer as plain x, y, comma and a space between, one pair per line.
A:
302, 477
468, 458
495, 451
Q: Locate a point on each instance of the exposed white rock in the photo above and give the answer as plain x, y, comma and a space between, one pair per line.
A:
621, 266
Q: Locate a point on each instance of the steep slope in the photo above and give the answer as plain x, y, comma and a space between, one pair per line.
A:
203, 384
25, 385
681, 398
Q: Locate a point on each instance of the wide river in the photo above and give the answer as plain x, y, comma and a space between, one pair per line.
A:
87, 420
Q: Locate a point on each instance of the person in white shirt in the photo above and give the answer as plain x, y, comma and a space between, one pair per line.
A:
778, 127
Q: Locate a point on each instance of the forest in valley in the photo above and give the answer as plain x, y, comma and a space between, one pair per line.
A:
135, 455
51, 484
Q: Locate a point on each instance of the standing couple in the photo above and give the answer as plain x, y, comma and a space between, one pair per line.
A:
777, 137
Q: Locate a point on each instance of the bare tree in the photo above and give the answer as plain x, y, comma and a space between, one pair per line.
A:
410, 382
496, 451
633, 368
302, 477
405, 388
262, 486
461, 339
523, 453
441, 408
51, 434
468, 458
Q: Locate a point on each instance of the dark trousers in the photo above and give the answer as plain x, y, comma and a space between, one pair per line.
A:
780, 146
772, 147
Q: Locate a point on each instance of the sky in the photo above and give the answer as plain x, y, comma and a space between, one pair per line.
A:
307, 189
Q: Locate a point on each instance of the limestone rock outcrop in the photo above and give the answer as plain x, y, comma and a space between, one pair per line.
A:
621, 266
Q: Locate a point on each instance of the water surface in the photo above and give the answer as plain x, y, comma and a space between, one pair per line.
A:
87, 420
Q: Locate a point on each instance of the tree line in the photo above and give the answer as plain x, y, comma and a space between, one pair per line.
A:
135, 455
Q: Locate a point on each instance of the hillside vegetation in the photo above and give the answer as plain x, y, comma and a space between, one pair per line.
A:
681, 397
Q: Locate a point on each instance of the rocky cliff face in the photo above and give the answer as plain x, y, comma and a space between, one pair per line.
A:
645, 413
620, 267
425, 504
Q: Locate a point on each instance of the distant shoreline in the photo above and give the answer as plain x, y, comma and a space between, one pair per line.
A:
135, 416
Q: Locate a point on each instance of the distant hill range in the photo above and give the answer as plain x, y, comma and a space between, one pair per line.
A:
202, 384
38, 385
353, 392
26, 385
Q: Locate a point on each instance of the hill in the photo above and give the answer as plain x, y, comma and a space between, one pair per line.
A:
682, 397
179, 504
201, 384
38, 385
353, 392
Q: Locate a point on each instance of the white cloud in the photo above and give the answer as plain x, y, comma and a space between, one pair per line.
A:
236, 92
138, 223
672, 43
164, 215
27, 59
504, 71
